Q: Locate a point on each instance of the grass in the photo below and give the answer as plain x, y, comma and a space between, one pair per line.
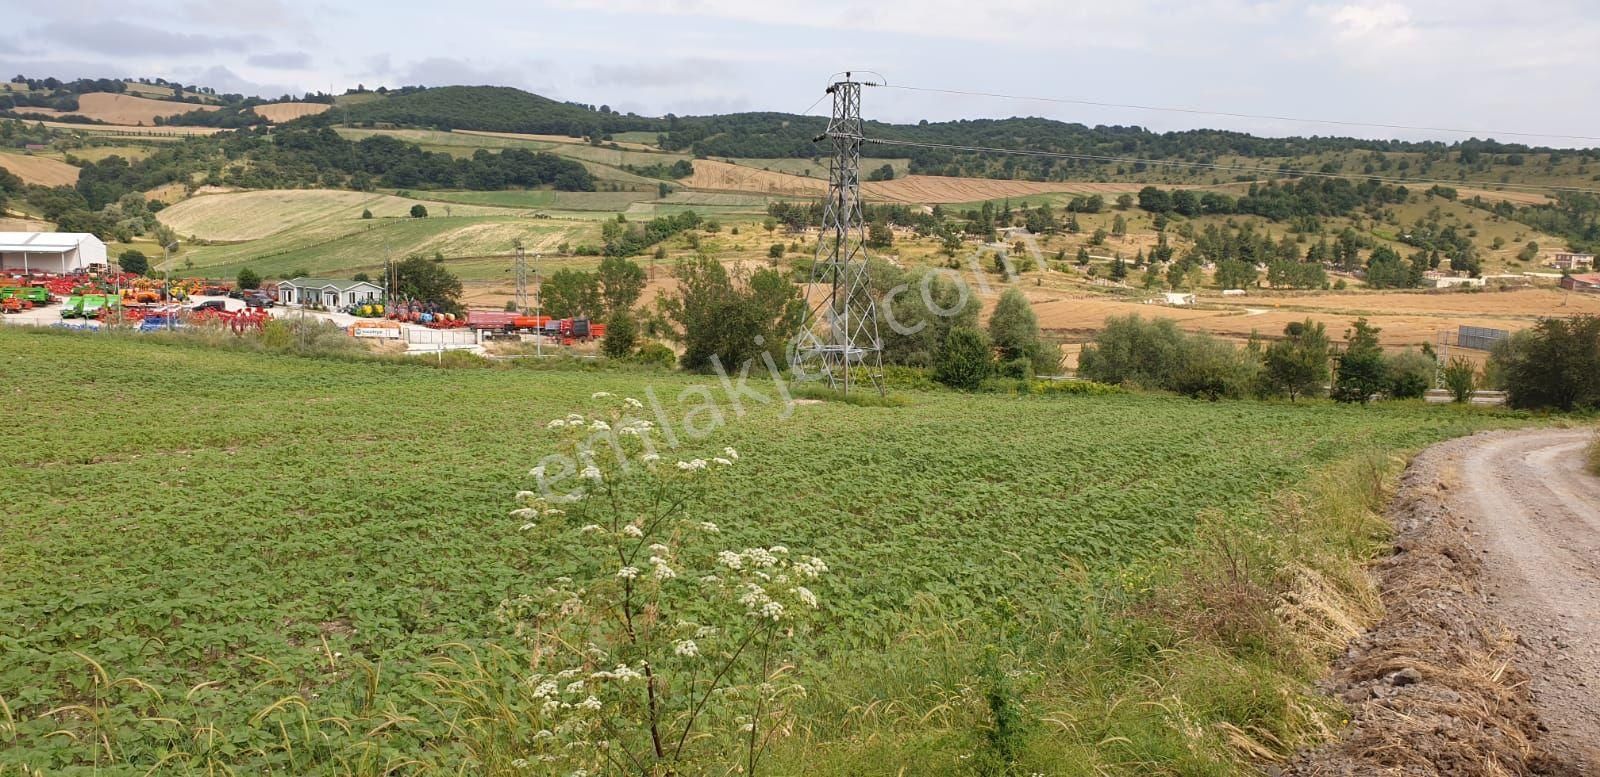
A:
275, 549
543, 198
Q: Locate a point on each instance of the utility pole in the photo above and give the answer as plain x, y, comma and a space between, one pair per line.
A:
521, 302
538, 315
166, 282
840, 338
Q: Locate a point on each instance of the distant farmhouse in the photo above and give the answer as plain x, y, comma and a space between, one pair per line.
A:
1589, 283
1573, 262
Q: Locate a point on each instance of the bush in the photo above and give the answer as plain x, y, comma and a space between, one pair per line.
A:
1362, 370
965, 360
1080, 388
657, 355
1014, 329
418, 211
1410, 375
1213, 369
1132, 351
1019, 369
248, 279
1461, 378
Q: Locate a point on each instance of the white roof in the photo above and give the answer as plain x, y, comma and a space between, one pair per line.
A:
43, 242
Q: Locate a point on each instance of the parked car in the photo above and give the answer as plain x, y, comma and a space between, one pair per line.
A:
258, 301
211, 304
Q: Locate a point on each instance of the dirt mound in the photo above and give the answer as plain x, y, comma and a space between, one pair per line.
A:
40, 170
1433, 688
278, 113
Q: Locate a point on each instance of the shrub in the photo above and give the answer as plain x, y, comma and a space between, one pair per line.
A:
1213, 369
418, 211
732, 319
1134, 352
965, 360
248, 279
1019, 369
1014, 329
134, 261
1362, 370
656, 354
1461, 378
1410, 374
1298, 364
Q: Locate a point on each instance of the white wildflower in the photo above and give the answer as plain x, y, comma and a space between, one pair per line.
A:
556, 424
601, 395
651, 458
574, 687
686, 648
659, 549
590, 703
573, 419
709, 527
591, 529
804, 594
730, 559
633, 531
545, 690
537, 472
662, 571
631, 402
524, 513
591, 472
599, 426
721, 462
628, 573
528, 525
778, 549
772, 610
811, 568
549, 511
523, 496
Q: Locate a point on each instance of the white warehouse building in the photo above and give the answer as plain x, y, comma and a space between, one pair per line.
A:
54, 252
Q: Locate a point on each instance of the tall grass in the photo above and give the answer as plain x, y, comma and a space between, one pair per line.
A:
1594, 455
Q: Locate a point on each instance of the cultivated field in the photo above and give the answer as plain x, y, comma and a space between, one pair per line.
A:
283, 569
40, 170
132, 130
256, 214
127, 109
712, 175
282, 112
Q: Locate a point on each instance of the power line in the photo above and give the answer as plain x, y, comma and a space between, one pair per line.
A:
1233, 115
1235, 168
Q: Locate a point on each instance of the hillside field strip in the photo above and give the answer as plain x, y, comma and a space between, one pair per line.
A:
284, 573
277, 113
39, 170
251, 215
125, 109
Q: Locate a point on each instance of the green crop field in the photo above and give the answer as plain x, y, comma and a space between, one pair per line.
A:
251, 559
543, 198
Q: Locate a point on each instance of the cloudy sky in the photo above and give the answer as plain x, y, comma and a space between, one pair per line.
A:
1501, 65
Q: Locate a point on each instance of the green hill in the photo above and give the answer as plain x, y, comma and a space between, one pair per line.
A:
487, 108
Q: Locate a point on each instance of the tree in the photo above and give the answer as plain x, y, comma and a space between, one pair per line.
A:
420, 278
1014, 331
418, 211
1297, 365
918, 311
366, 213
775, 251
134, 261
622, 334
731, 319
1556, 364
1134, 351
965, 360
1119, 226
1119, 269
1362, 370
621, 282
569, 293
879, 235
248, 279
1461, 377
1124, 201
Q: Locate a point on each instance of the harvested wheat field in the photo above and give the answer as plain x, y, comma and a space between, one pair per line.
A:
1401, 326
1513, 197
721, 176
40, 170
278, 113
24, 225
127, 109
1530, 303
250, 215
550, 139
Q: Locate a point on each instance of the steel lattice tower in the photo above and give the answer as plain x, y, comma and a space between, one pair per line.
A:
521, 269
839, 338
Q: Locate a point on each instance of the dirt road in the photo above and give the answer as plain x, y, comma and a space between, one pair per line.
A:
1487, 659
1538, 513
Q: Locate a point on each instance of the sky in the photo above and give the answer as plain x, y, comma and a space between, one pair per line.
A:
1487, 66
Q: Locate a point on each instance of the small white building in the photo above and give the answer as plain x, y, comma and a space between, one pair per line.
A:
1448, 282
1178, 299
54, 252
328, 292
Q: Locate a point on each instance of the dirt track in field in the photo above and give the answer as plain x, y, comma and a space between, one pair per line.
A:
1487, 661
